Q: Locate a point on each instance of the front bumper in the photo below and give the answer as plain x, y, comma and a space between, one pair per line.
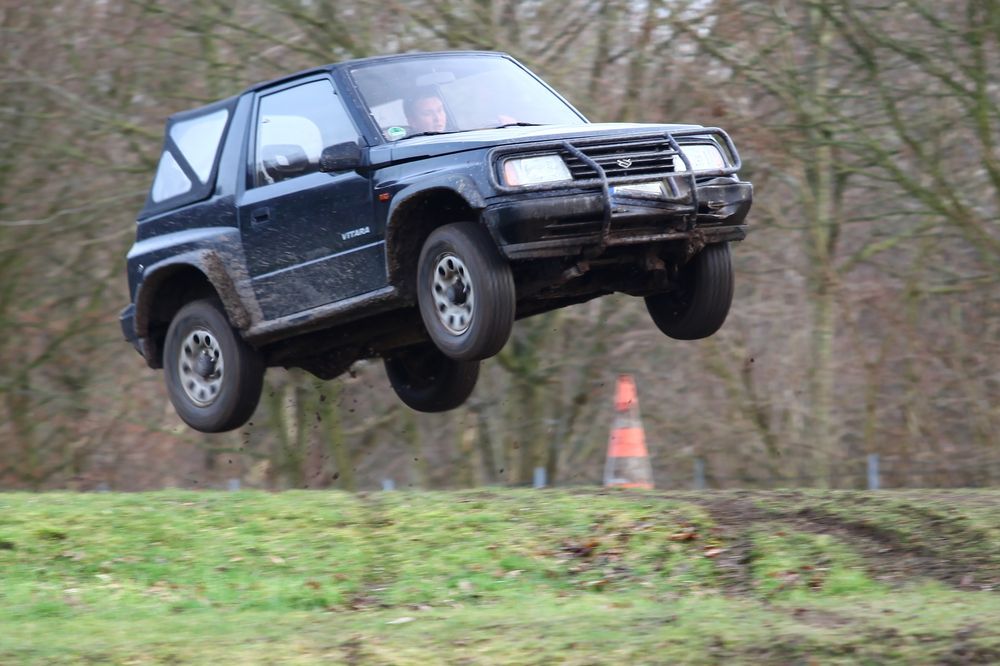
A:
596, 210
557, 223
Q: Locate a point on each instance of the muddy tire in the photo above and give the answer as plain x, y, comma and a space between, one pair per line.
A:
213, 376
465, 291
428, 381
697, 307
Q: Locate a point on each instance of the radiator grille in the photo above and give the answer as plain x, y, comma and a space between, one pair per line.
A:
635, 158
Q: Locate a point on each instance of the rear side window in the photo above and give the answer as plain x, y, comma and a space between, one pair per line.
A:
198, 141
294, 126
194, 142
170, 180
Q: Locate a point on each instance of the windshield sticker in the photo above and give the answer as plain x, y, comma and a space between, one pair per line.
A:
395, 132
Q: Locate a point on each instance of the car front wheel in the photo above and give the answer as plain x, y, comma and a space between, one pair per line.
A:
428, 381
465, 291
213, 376
698, 304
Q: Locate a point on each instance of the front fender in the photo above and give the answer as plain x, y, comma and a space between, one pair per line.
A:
463, 186
420, 207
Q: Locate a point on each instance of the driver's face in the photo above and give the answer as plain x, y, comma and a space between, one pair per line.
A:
428, 115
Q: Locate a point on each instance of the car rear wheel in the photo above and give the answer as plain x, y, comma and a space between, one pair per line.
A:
428, 381
699, 303
213, 376
465, 291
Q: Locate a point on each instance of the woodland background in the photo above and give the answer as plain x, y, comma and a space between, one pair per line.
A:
865, 320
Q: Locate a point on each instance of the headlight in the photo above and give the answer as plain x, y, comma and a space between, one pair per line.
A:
535, 170
701, 156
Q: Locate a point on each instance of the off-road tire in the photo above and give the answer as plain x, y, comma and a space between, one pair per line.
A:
226, 397
428, 381
699, 303
457, 257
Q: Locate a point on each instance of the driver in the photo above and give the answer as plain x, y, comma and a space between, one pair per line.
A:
425, 112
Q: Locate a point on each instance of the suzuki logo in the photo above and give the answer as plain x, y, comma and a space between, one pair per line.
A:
625, 163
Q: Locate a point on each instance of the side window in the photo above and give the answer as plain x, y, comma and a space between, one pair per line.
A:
197, 139
293, 128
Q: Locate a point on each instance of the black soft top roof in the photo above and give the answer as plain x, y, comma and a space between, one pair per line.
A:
348, 64
199, 190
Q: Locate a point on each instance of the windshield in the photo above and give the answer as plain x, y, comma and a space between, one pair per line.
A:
449, 93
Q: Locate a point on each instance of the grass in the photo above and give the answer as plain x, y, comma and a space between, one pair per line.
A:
499, 576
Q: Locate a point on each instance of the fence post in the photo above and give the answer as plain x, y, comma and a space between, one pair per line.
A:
539, 477
873, 478
699, 474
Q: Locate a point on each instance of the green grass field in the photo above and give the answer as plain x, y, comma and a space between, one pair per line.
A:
500, 577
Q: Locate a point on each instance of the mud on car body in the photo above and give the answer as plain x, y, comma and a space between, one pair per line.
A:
311, 222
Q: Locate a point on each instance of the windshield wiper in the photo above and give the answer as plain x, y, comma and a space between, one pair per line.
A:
518, 125
431, 133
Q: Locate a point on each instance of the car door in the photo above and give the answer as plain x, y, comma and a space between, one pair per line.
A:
307, 234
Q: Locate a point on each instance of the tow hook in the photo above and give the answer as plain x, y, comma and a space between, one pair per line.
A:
696, 241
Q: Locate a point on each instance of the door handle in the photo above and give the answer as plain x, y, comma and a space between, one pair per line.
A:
260, 215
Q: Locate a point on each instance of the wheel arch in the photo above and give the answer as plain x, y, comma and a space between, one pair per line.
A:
417, 211
170, 284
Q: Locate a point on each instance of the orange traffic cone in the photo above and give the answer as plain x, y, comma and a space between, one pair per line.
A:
628, 462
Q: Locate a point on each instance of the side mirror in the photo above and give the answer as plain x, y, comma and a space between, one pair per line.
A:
340, 157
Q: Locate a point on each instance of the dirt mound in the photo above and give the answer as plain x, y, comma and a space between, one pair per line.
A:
902, 537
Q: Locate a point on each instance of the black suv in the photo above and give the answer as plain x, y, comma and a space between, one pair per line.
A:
411, 208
